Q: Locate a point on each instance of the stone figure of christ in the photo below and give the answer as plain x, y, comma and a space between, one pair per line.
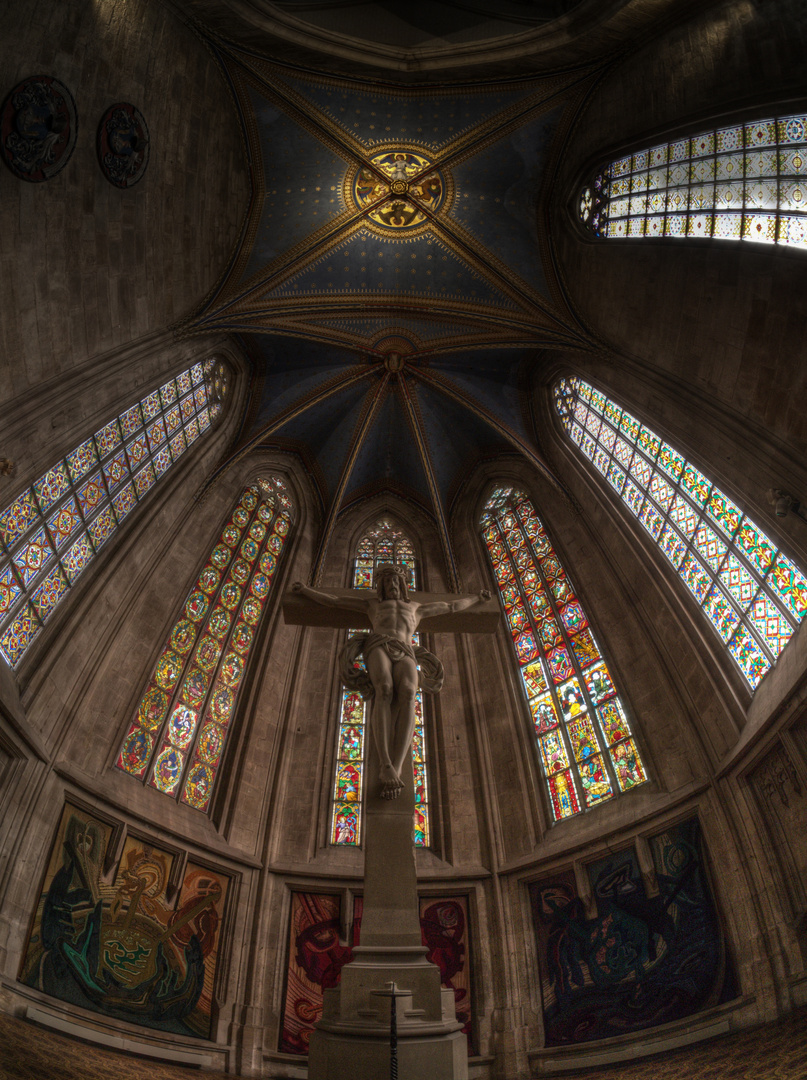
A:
391, 679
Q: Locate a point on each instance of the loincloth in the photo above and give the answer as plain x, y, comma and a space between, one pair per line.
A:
356, 677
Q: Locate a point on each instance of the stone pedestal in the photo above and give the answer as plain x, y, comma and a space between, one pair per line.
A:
351, 1042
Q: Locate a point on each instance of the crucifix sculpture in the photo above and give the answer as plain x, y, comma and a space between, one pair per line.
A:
351, 1039
392, 661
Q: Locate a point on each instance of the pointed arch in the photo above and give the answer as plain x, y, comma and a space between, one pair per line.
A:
383, 543
585, 743
751, 592
741, 182
177, 737
56, 527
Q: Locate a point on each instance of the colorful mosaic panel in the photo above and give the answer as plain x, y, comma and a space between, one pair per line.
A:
385, 543
562, 670
719, 184
178, 733
753, 595
75, 507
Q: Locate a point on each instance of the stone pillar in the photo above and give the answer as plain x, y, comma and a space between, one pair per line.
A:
351, 1042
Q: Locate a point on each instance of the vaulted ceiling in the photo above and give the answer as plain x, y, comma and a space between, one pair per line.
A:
394, 282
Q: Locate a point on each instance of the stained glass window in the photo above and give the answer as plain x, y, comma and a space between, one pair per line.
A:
52, 530
177, 736
585, 743
383, 544
752, 593
744, 182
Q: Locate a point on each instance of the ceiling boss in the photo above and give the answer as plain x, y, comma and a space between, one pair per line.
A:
400, 189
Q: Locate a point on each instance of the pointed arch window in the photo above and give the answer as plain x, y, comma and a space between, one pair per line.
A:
177, 737
585, 743
383, 544
753, 595
744, 182
53, 530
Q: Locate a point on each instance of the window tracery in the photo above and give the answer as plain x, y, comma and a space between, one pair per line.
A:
52, 531
177, 737
753, 595
383, 544
743, 182
585, 743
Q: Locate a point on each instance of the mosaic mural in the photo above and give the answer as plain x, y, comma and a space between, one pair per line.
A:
114, 942
317, 956
642, 960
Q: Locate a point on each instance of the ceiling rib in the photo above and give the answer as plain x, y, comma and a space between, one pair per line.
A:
450, 389
416, 424
375, 395
308, 401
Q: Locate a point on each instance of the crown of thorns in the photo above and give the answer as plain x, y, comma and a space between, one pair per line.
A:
390, 570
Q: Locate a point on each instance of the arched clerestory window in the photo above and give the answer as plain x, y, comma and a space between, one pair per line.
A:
585, 743
753, 595
382, 544
178, 734
742, 182
54, 529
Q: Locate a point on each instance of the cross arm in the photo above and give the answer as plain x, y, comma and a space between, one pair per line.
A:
481, 618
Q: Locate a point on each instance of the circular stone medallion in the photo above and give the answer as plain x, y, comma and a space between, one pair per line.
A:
123, 145
403, 185
38, 128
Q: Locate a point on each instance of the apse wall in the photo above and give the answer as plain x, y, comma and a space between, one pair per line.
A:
95, 266
719, 317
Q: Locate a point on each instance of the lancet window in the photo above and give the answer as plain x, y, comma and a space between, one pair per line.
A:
177, 736
52, 531
743, 182
383, 544
751, 592
585, 743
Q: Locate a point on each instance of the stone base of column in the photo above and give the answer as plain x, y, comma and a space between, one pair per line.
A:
352, 1040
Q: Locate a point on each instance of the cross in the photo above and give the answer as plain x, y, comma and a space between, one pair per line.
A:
391, 947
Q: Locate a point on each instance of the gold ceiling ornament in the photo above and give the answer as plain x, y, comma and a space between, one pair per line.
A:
399, 188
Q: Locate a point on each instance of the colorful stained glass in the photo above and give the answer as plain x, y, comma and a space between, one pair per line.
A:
230, 595
219, 622
705, 536
570, 731
77, 558
627, 765
90, 494
181, 726
115, 470
168, 670
596, 785
346, 819
19, 634
81, 460
208, 652
124, 502
198, 786
107, 438
102, 527
209, 579
10, 590
563, 796
136, 750
232, 670
553, 752
144, 480
64, 522
251, 610
51, 487
33, 556
17, 518
194, 687
583, 738
137, 450
222, 702
768, 207
131, 421
168, 769
49, 593
239, 571
162, 461
152, 709
242, 638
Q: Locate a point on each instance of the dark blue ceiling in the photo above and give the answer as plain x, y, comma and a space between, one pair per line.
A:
329, 294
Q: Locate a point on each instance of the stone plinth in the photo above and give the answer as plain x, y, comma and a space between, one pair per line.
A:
352, 1041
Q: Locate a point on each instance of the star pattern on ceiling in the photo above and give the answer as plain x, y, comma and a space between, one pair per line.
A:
393, 280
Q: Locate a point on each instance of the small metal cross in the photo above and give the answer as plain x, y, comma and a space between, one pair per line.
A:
392, 992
